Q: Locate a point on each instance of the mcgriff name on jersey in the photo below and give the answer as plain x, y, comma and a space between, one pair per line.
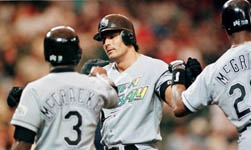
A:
231, 69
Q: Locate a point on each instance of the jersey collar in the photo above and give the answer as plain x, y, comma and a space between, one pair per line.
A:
58, 70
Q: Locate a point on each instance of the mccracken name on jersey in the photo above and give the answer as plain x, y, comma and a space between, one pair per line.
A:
65, 97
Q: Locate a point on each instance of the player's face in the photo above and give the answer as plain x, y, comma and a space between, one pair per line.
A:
113, 45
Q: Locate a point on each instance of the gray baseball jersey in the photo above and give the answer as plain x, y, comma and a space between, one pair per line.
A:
64, 109
227, 83
139, 112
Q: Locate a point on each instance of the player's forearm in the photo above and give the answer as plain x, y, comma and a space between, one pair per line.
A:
112, 100
168, 94
21, 145
176, 102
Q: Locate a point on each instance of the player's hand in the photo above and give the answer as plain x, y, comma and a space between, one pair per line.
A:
86, 69
101, 73
177, 68
176, 64
14, 96
98, 71
193, 69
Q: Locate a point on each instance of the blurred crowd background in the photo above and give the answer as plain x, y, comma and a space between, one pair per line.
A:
165, 29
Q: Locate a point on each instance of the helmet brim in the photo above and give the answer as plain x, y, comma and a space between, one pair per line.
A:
97, 37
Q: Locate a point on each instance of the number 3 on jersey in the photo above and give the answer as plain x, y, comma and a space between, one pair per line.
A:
241, 88
76, 128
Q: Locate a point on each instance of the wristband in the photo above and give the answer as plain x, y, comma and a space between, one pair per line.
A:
179, 77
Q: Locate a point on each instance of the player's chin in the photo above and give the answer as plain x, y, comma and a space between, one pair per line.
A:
111, 56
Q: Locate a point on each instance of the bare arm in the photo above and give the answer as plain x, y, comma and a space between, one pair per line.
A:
183, 76
177, 104
21, 145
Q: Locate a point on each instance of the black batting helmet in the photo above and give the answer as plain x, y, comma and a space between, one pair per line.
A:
236, 16
117, 22
61, 46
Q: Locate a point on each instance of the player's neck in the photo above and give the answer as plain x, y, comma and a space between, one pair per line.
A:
240, 38
127, 60
62, 67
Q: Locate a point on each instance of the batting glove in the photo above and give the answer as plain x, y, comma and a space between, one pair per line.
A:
14, 96
192, 69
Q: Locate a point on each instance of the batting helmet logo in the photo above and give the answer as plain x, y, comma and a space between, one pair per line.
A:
236, 16
103, 24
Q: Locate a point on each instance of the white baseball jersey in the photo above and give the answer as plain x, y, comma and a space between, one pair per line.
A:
227, 83
138, 115
63, 109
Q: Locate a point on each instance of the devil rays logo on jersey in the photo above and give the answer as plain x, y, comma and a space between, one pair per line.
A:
129, 92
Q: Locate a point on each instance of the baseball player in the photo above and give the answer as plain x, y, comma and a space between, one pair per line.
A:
61, 110
142, 82
14, 95
227, 82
